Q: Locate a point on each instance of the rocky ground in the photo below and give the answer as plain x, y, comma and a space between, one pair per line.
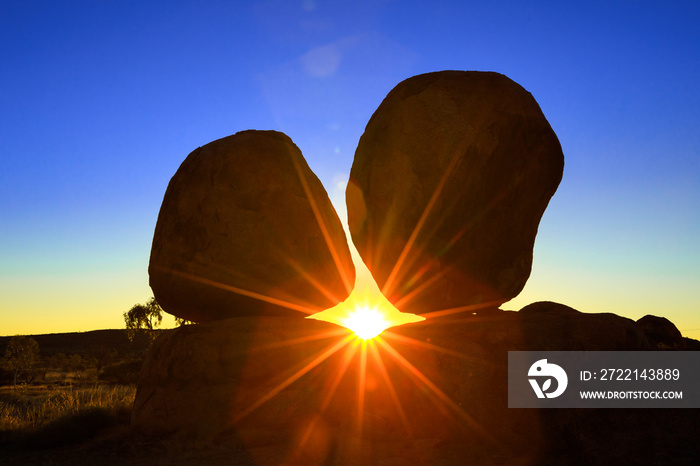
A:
258, 391
264, 390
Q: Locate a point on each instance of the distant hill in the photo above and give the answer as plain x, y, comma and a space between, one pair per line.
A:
85, 343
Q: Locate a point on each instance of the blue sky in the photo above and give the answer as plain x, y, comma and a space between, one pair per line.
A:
100, 101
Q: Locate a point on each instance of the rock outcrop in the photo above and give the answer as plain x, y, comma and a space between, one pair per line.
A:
661, 333
449, 183
447, 188
286, 390
198, 378
246, 228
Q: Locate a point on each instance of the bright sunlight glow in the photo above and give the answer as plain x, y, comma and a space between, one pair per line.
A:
366, 311
366, 323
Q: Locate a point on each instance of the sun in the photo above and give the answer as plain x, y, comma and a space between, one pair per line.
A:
366, 312
366, 322
366, 318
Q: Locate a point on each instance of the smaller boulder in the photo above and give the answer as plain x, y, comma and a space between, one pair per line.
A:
247, 229
549, 326
661, 333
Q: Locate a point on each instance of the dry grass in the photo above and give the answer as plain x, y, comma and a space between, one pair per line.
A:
49, 416
64, 426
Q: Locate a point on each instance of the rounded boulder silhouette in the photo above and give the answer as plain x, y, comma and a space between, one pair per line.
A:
247, 229
448, 186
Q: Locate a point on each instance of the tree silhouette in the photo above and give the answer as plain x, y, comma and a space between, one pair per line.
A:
180, 321
20, 354
143, 318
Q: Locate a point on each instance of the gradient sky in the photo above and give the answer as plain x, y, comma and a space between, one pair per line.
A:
100, 102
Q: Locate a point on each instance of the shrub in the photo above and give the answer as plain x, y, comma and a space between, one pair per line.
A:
123, 373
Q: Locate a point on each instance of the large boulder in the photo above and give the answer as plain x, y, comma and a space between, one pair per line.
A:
246, 228
447, 188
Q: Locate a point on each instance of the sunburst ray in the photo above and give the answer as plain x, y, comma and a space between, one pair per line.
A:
444, 400
330, 392
240, 291
460, 309
324, 229
293, 378
362, 385
390, 386
423, 344
394, 274
315, 283
300, 340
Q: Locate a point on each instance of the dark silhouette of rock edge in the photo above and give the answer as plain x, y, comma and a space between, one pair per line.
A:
246, 228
